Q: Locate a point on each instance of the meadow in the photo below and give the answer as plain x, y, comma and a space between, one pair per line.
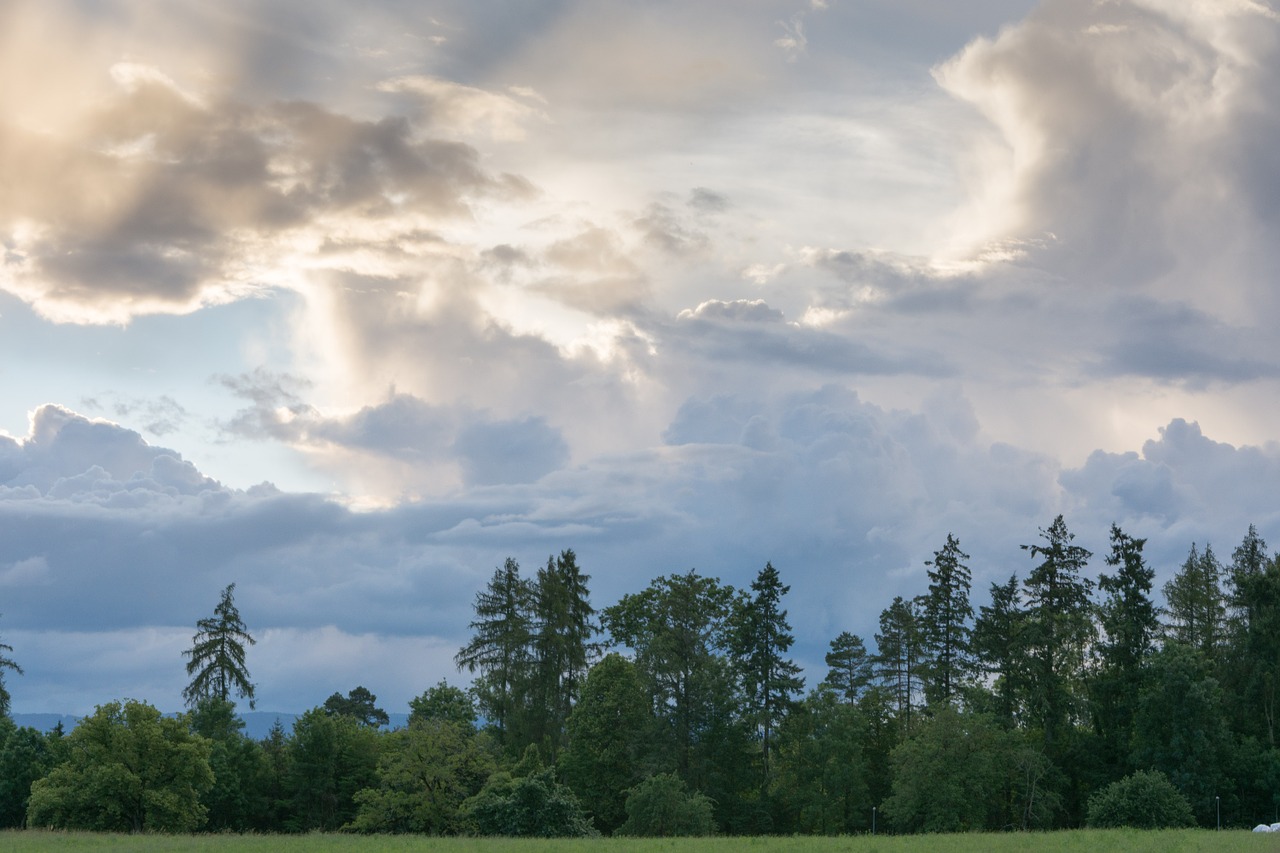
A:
1077, 841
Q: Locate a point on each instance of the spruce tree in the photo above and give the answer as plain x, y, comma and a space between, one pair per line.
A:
999, 644
500, 649
1195, 605
944, 626
9, 664
564, 628
216, 657
849, 667
898, 658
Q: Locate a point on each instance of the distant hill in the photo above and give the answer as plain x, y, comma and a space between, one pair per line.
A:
257, 724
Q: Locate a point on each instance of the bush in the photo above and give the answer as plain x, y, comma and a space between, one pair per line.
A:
662, 806
1146, 800
533, 806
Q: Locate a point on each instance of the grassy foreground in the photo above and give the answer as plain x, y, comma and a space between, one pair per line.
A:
1080, 841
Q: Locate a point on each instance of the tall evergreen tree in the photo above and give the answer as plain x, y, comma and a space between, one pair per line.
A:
1129, 624
1195, 605
500, 648
216, 657
1248, 562
898, 658
770, 680
1059, 627
944, 624
563, 648
849, 667
9, 664
999, 644
1253, 665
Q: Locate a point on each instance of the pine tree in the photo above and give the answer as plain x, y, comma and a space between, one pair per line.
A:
944, 627
762, 637
216, 657
898, 658
500, 648
849, 667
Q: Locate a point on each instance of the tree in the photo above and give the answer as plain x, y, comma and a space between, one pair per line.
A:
128, 769
761, 638
425, 773
1059, 628
9, 664
532, 806
898, 658
1130, 625
446, 704
25, 756
849, 667
999, 644
216, 657
944, 624
1145, 800
608, 733
239, 799
360, 705
499, 649
661, 806
1195, 604
950, 775
821, 779
564, 626
330, 759
678, 628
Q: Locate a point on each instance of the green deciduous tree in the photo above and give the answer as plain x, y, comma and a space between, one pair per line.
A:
25, 756
609, 734
216, 660
661, 806
330, 758
532, 806
128, 769
944, 624
239, 799
1145, 800
821, 780
445, 704
425, 773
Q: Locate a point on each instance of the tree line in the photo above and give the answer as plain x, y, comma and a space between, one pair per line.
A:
1062, 702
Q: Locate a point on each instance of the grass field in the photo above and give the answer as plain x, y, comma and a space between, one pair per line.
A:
1082, 841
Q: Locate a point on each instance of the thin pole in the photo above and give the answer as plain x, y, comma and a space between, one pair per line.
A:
873, 820
1218, 802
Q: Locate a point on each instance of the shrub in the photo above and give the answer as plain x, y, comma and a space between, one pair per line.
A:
1146, 800
662, 806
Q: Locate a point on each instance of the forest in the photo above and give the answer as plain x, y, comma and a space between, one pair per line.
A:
1064, 702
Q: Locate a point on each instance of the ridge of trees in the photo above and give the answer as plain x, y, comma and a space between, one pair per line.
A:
678, 710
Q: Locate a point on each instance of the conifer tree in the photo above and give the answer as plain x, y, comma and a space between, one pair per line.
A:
1195, 605
898, 658
500, 648
999, 643
216, 657
9, 664
944, 626
849, 667
563, 649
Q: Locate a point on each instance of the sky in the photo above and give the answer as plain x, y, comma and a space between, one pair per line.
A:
347, 303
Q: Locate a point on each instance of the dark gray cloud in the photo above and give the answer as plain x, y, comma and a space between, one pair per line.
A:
520, 451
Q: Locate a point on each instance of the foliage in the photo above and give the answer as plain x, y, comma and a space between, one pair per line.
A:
360, 705
898, 661
821, 781
1146, 800
527, 806
1196, 606
330, 758
999, 642
661, 806
950, 775
25, 756
609, 733
216, 657
564, 625
239, 799
128, 769
443, 704
425, 773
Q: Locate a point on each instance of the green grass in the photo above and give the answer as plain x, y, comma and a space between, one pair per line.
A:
1082, 841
